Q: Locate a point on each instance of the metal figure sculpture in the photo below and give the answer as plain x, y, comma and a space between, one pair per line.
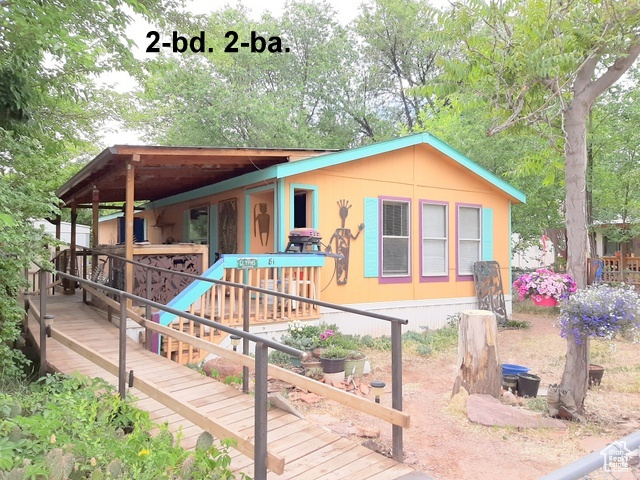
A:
341, 239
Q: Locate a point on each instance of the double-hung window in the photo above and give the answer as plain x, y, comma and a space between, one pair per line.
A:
395, 238
469, 238
435, 240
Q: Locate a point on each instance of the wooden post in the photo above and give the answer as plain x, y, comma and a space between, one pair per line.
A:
72, 248
94, 226
128, 238
479, 369
54, 277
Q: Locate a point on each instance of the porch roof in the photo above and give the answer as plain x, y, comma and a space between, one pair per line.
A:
162, 171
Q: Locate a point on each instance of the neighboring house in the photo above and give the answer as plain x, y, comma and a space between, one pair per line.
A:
83, 232
607, 247
410, 217
533, 257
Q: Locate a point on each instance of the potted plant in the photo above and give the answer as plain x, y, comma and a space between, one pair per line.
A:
333, 359
544, 287
354, 364
323, 340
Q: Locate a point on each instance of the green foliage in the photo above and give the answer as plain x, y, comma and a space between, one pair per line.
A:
334, 351
245, 99
378, 343
429, 342
516, 325
50, 112
279, 358
75, 427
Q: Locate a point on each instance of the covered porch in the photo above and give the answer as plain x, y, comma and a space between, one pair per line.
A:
126, 178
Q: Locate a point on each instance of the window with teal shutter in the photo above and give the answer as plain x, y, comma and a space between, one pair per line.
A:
371, 236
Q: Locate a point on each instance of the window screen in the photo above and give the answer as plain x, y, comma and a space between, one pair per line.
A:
395, 239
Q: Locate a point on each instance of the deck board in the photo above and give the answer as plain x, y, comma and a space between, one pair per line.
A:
310, 452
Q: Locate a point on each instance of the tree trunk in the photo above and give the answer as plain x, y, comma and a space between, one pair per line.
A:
576, 369
575, 123
575, 377
479, 369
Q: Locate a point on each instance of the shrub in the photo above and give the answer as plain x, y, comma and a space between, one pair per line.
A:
334, 351
82, 424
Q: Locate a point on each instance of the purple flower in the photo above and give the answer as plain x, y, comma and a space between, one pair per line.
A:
599, 311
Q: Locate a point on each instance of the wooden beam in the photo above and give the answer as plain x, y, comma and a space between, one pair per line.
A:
128, 220
213, 152
167, 398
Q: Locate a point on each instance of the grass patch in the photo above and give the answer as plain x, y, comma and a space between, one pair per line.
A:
516, 325
538, 404
430, 342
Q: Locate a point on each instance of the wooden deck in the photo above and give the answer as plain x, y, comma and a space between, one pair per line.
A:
309, 451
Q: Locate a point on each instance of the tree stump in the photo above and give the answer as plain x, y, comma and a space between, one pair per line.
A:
479, 368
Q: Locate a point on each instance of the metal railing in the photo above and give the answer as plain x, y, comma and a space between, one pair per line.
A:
261, 344
396, 333
600, 460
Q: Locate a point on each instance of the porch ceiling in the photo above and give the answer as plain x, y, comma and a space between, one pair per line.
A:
164, 171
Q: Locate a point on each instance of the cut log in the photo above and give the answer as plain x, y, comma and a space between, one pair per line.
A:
479, 368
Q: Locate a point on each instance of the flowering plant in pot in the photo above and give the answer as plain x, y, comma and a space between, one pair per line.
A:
544, 283
600, 311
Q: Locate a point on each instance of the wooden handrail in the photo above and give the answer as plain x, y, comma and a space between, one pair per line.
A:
275, 463
382, 412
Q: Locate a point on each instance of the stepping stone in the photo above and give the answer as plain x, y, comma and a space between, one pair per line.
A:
487, 410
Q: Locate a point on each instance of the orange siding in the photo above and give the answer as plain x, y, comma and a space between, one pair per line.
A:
417, 173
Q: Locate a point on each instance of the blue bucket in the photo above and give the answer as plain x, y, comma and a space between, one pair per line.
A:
511, 369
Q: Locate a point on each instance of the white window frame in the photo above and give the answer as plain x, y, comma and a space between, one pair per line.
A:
461, 239
427, 237
406, 202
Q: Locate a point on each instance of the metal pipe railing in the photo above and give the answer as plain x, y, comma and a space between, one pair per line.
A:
396, 331
261, 368
582, 467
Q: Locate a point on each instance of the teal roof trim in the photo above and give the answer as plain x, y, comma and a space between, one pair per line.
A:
284, 170
235, 182
111, 216
331, 159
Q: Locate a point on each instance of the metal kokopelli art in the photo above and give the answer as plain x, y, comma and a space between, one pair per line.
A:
262, 221
341, 238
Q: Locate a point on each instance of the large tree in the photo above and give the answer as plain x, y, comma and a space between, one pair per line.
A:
288, 99
545, 63
50, 54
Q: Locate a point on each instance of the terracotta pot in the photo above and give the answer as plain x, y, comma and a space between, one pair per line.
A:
544, 301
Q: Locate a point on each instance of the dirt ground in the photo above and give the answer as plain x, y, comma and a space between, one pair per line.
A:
444, 444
